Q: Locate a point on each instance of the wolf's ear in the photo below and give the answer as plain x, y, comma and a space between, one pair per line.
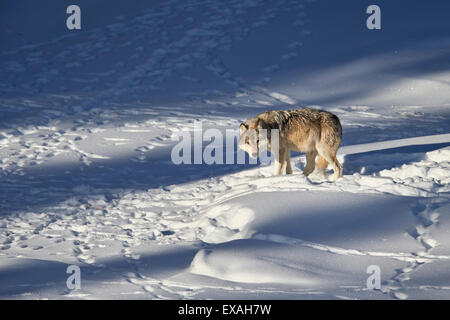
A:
260, 124
243, 127
255, 123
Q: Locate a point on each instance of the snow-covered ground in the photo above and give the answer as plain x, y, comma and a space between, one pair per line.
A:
87, 125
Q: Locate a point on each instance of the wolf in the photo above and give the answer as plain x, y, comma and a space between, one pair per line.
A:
314, 132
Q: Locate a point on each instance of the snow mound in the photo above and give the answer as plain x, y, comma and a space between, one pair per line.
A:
225, 222
432, 173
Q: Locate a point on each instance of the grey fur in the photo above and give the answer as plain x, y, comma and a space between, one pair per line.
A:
304, 130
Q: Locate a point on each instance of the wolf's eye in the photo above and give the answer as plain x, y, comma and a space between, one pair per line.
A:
247, 140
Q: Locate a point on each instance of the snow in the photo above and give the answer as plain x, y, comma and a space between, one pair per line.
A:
88, 120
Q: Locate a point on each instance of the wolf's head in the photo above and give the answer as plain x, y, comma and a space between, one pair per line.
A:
252, 137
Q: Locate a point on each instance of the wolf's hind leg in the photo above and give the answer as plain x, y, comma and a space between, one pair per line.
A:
310, 162
330, 157
322, 165
338, 170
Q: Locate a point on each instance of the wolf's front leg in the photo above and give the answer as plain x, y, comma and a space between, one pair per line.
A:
280, 162
288, 163
310, 162
278, 168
